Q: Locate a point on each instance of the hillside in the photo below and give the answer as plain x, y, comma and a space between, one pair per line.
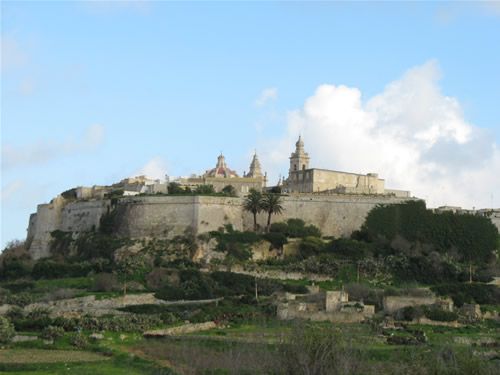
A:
287, 296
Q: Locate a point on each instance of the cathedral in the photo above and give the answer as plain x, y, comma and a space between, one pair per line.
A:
222, 176
303, 179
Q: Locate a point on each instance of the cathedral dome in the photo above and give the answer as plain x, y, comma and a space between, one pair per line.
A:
221, 169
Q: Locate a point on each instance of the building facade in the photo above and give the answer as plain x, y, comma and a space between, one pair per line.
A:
303, 179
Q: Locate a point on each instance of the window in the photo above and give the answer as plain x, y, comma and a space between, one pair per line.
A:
295, 167
303, 167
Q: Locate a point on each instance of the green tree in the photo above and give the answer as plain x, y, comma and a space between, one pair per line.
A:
252, 204
130, 266
205, 189
229, 190
175, 188
272, 204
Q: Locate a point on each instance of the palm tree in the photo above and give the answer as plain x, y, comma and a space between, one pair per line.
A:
252, 204
271, 203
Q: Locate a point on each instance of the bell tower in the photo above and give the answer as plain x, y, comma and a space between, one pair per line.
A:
299, 160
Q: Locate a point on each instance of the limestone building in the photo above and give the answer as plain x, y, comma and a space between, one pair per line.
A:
222, 176
303, 179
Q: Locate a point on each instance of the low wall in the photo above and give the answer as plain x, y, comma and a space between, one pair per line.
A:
289, 312
394, 303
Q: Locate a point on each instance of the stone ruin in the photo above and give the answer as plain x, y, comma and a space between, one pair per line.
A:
333, 306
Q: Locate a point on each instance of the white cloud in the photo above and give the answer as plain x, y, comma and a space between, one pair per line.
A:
46, 150
267, 95
411, 134
155, 168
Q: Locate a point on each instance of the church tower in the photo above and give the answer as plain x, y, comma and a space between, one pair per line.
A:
255, 169
299, 160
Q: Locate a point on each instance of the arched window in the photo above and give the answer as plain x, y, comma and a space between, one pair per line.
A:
303, 167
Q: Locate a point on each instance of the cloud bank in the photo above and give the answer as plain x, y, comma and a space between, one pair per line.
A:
46, 150
415, 137
267, 95
155, 168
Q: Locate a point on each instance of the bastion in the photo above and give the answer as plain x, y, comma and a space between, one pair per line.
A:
166, 216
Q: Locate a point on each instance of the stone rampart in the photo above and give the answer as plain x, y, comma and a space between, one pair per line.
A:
167, 216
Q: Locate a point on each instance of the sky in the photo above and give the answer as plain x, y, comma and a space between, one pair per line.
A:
93, 92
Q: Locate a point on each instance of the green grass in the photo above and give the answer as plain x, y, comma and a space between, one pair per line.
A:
69, 283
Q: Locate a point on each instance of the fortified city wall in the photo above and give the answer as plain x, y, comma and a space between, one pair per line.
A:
167, 216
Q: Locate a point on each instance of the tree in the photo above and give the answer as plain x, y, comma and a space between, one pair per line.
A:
229, 190
175, 188
204, 189
130, 266
252, 204
271, 203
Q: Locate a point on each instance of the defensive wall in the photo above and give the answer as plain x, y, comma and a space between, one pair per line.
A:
167, 216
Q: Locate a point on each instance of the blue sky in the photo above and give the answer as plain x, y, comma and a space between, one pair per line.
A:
95, 92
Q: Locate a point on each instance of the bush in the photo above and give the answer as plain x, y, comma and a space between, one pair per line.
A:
49, 269
229, 190
79, 340
409, 313
311, 246
52, 333
461, 293
434, 313
18, 285
204, 190
473, 236
295, 228
105, 282
193, 285
277, 240
160, 276
315, 350
6, 330
350, 249
17, 299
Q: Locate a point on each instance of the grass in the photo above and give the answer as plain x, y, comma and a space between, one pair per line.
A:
21, 356
69, 283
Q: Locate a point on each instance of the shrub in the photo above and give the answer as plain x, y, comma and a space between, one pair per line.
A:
277, 240
311, 246
204, 189
49, 269
160, 276
15, 313
193, 285
295, 228
473, 236
17, 299
409, 313
314, 350
6, 330
105, 282
440, 315
52, 333
18, 285
79, 340
469, 293
229, 190
350, 249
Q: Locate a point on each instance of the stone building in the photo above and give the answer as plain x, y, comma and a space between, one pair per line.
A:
222, 176
333, 306
303, 179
